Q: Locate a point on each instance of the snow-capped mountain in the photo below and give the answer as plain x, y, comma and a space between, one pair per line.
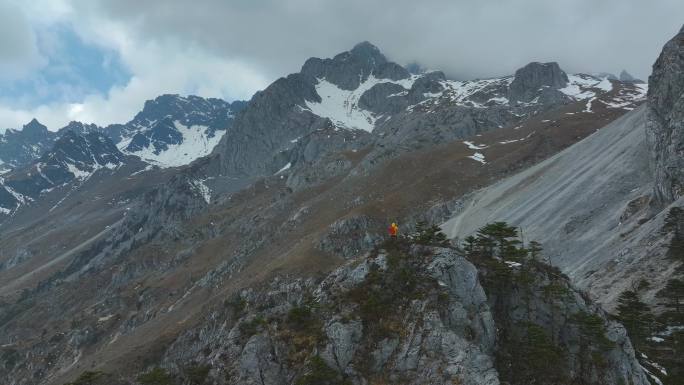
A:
173, 130
377, 101
74, 158
170, 131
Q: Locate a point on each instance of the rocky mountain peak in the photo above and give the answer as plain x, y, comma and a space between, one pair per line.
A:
20, 147
173, 130
628, 78
79, 128
34, 127
665, 122
171, 105
367, 51
91, 149
533, 78
349, 69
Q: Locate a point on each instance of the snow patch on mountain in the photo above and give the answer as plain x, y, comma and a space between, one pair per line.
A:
81, 174
474, 146
195, 144
341, 106
456, 92
285, 168
459, 91
478, 157
202, 189
3, 168
581, 86
627, 96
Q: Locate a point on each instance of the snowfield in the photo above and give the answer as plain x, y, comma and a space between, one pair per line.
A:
341, 106
195, 144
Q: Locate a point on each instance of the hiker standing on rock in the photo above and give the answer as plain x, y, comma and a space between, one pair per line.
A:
393, 230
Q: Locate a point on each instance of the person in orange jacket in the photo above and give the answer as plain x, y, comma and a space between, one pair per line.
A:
393, 230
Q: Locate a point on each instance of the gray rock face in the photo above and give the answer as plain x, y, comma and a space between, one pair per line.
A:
258, 363
665, 120
269, 125
450, 333
532, 80
383, 98
426, 84
344, 339
414, 131
351, 237
323, 154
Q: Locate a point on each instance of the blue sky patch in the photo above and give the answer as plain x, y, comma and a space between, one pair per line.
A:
73, 70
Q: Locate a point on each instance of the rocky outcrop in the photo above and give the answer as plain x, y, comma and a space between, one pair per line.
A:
413, 314
538, 80
351, 237
665, 120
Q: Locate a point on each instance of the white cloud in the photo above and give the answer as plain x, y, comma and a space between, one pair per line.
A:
232, 48
157, 67
18, 49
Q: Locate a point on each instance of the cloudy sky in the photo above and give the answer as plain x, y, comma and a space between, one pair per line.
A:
99, 60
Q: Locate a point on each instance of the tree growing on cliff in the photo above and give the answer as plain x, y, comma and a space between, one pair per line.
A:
635, 315
673, 293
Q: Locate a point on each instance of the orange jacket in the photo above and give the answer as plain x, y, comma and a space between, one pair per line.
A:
393, 230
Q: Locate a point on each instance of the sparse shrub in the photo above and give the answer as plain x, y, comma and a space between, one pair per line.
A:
236, 304
156, 376
252, 327
87, 378
9, 358
300, 317
197, 374
556, 290
319, 373
303, 331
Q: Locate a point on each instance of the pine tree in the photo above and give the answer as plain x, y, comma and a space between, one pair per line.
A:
429, 235
501, 236
635, 315
535, 249
469, 245
674, 294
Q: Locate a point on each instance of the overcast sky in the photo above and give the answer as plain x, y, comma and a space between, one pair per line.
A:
99, 60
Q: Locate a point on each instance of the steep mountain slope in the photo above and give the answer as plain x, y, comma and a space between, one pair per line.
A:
581, 204
599, 207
